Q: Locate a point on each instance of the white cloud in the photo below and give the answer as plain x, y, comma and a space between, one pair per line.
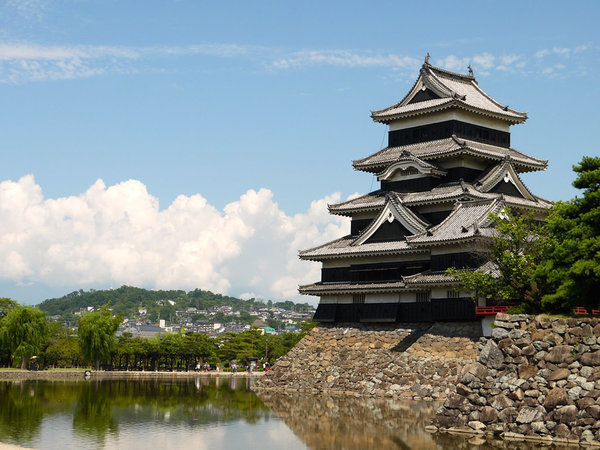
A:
343, 58
25, 61
113, 235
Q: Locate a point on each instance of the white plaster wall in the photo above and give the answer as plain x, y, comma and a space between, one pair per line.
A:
336, 299
365, 215
439, 292
381, 298
486, 325
464, 161
408, 297
441, 116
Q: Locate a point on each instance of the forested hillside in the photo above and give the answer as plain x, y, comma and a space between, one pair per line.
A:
127, 300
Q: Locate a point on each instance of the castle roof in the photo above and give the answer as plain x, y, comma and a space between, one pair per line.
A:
468, 220
445, 193
343, 247
443, 148
446, 90
351, 288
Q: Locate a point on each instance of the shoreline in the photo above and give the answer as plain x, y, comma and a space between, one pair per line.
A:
15, 375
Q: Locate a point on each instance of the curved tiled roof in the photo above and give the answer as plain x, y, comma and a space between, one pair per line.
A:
343, 247
442, 148
440, 194
468, 220
350, 288
455, 90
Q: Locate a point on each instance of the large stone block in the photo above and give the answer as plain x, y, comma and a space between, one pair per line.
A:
559, 374
501, 402
491, 355
528, 414
555, 397
508, 415
488, 415
566, 414
590, 359
560, 354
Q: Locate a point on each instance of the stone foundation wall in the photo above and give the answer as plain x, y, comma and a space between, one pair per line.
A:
419, 361
535, 378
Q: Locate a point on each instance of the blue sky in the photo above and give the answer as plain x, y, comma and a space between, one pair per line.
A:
182, 144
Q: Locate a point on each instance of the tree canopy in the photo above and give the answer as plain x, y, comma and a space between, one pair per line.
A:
550, 267
569, 274
97, 334
23, 331
514, 253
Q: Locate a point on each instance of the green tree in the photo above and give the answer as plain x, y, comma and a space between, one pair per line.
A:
514, 252
6, 304
97, 334
23, 332
570, 272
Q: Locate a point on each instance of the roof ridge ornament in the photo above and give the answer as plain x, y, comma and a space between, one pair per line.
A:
427, 56
470, 71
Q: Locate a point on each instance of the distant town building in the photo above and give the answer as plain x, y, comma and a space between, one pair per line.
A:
448, 165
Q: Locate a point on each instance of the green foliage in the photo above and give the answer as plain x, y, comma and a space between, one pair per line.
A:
6, 304
126, 300
97, 334
23, 331
291, 306
481, 284
63, 352
515, 251
570, 273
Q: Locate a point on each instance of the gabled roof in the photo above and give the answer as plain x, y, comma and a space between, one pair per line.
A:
343, 247
468, 220
454, 91
393, 210
444, 193
405, 161
503, 172
443, 148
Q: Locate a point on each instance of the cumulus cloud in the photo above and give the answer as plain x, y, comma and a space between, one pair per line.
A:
113, 235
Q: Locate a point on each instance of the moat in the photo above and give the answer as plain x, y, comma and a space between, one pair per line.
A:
203, 412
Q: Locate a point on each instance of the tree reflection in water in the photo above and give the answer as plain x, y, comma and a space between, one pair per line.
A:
111, 412
100, 408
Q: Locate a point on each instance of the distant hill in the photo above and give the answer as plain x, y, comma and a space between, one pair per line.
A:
127, 299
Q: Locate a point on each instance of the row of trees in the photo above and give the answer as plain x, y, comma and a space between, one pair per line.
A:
551, 266
25, 332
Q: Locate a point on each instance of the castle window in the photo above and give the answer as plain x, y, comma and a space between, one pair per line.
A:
423, 297
452, 294
358, 299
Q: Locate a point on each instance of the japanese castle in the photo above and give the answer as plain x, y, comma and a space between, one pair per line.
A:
448, 165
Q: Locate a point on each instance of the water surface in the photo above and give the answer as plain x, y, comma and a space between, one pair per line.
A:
209, 413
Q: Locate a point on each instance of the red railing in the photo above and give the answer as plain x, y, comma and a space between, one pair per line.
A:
490, 310
581, 311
